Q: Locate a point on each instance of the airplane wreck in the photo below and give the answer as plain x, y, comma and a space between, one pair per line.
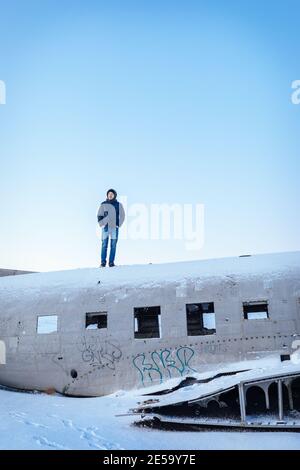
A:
205, 343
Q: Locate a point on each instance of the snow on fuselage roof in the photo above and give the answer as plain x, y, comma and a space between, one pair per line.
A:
275, 264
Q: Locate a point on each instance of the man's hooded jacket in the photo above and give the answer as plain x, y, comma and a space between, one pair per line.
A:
111, 212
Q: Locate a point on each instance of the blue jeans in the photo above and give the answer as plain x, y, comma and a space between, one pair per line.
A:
113, 233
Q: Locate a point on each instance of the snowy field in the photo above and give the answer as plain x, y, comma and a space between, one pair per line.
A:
38, 421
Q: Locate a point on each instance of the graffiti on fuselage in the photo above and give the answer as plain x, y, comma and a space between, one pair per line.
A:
99, 353
157, 366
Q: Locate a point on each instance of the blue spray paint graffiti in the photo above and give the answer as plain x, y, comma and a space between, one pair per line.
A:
163, 364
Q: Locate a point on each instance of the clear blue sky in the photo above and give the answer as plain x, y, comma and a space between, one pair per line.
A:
173, 101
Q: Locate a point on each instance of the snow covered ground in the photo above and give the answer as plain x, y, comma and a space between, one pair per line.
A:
39, 421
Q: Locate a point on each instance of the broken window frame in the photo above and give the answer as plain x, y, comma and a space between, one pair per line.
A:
195, 321
103, 316
255, 308
140, 314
